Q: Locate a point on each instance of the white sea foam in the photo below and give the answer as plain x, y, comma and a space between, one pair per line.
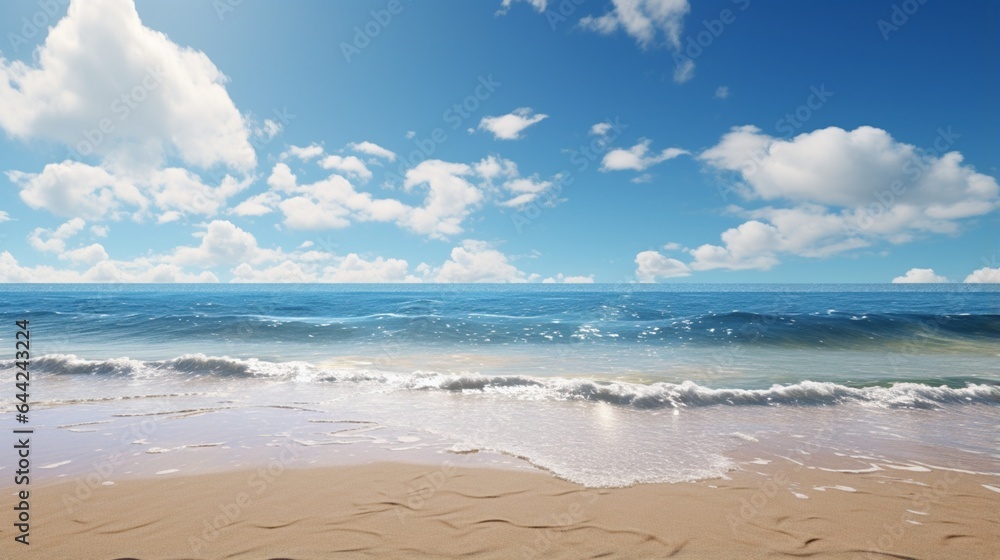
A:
654, 395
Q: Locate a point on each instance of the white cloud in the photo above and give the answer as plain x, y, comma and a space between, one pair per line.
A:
651, 265
268, 130
600, 129
651, 23
181, 190
154, 101
76, 189
99, 231
286, 272
470, 261
510, 126
349, 165
223, 243
54, 241
722, 92
539, 5
985, 275
4, 217
919, 276
89, 255
353, 268
636, 158
305, 154
410, 134
373, 149
258, 205
334, 202
522, 190
451, 192
105, 270
450, 198
684, 70
525, 190
561, 279
163, 97
850, 168
224, 246
167, 217
282, 178
847, 190
644, 20
492, 167
478, 261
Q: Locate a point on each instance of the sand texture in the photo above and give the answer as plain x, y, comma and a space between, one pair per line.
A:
393, 510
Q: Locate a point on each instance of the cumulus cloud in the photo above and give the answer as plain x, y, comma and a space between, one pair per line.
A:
165, 97
54, 241
563, 279
89, 255
637, 158
268, 129
167, 217
833, 190
350, 166
76, 189
985, 275
223, 243
600, 129
451, 193
851, 168
303, 153
334, 202
478, 261
167, 102
651, 265
450, 197
538, 5
510, 126
722, 92
649, 22
349, 269
282, 178
257, 205
224, 247
106, 270
373, 149
4, 217
503, 174
919, 276
525, 190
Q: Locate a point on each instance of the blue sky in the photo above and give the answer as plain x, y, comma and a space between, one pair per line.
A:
583, 140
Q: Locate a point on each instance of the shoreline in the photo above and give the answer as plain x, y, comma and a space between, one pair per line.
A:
395, 509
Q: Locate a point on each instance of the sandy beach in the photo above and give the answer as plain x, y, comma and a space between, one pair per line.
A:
399, 510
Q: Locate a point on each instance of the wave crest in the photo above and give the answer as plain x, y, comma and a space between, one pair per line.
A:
655, 395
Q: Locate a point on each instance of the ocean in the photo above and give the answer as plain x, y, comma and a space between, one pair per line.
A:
605, 385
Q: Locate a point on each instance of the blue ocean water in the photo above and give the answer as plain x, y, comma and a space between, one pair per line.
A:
585, 381
758, 334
